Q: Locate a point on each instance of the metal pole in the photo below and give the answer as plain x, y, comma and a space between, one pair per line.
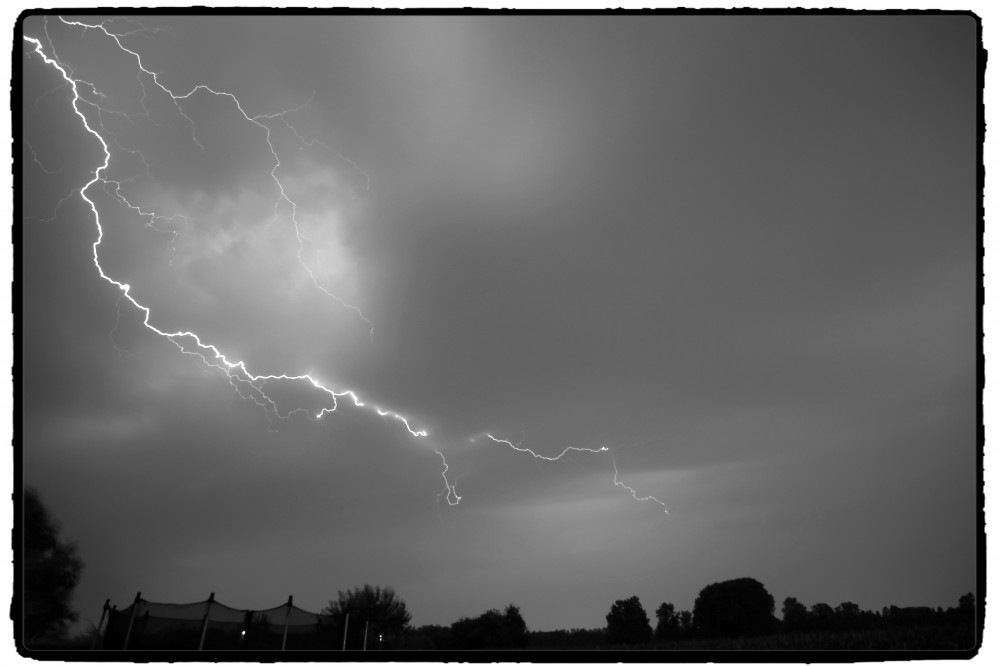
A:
114, 609
128, 632
347, 619
288, 611
204, 624
364, 646
104, 612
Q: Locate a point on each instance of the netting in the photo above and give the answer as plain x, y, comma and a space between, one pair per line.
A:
210, 625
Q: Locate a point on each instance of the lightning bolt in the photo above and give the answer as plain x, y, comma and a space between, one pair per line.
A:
603, 449
49, 92
312, 143
34, 156
256, 120
141, 30
648, 498
302, 239
55, 211
449, 488
246, 384
541, 457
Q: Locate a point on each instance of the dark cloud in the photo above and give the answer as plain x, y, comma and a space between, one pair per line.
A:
738, 251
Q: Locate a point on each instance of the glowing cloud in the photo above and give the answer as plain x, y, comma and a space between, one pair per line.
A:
266, 390
246, 384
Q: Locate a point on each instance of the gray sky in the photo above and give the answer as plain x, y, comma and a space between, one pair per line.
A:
737, 251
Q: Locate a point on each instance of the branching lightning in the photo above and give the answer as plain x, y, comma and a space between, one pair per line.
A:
449, 488
49, 92
648, 498
34, 156
541, 457
312, 143
55, 210
603, 449
256, 120
302, 239
246, 384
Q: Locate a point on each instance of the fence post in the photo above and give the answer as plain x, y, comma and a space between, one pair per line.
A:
347, 619
104, 612
204, 624
128, 632
288, 612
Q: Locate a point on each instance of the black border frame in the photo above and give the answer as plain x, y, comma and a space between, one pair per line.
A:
541, 656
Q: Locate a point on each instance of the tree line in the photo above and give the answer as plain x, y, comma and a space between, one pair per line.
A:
730, 611
376, 618
743, 607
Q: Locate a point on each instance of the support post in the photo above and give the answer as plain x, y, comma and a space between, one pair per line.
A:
204, 624
288, 612
135, 607
111, 614
364, 646
104, 612
347, 619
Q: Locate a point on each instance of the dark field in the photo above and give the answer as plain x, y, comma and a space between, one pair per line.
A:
911, 638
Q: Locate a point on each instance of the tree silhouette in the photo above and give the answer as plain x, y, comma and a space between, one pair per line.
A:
847, 616
967, 604
668, 623
738, 607
516, 626
384, 612
51, 572
795, 615
965, 612
686, 623
628, 622
821, 617
491, 630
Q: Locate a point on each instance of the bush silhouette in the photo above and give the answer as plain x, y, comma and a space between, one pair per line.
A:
628, 622
428, 637
738, 607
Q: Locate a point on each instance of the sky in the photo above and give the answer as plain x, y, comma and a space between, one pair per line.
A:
737, 251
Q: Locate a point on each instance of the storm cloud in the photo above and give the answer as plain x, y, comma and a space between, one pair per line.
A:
739, 251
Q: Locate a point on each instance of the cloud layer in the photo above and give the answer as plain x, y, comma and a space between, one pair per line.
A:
738, 251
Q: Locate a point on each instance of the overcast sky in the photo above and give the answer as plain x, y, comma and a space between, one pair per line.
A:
738, 251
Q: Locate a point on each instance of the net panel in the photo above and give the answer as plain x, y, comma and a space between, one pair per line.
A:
160, 626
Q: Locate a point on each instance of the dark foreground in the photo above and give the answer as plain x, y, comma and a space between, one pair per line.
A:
957, 638
942, 637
